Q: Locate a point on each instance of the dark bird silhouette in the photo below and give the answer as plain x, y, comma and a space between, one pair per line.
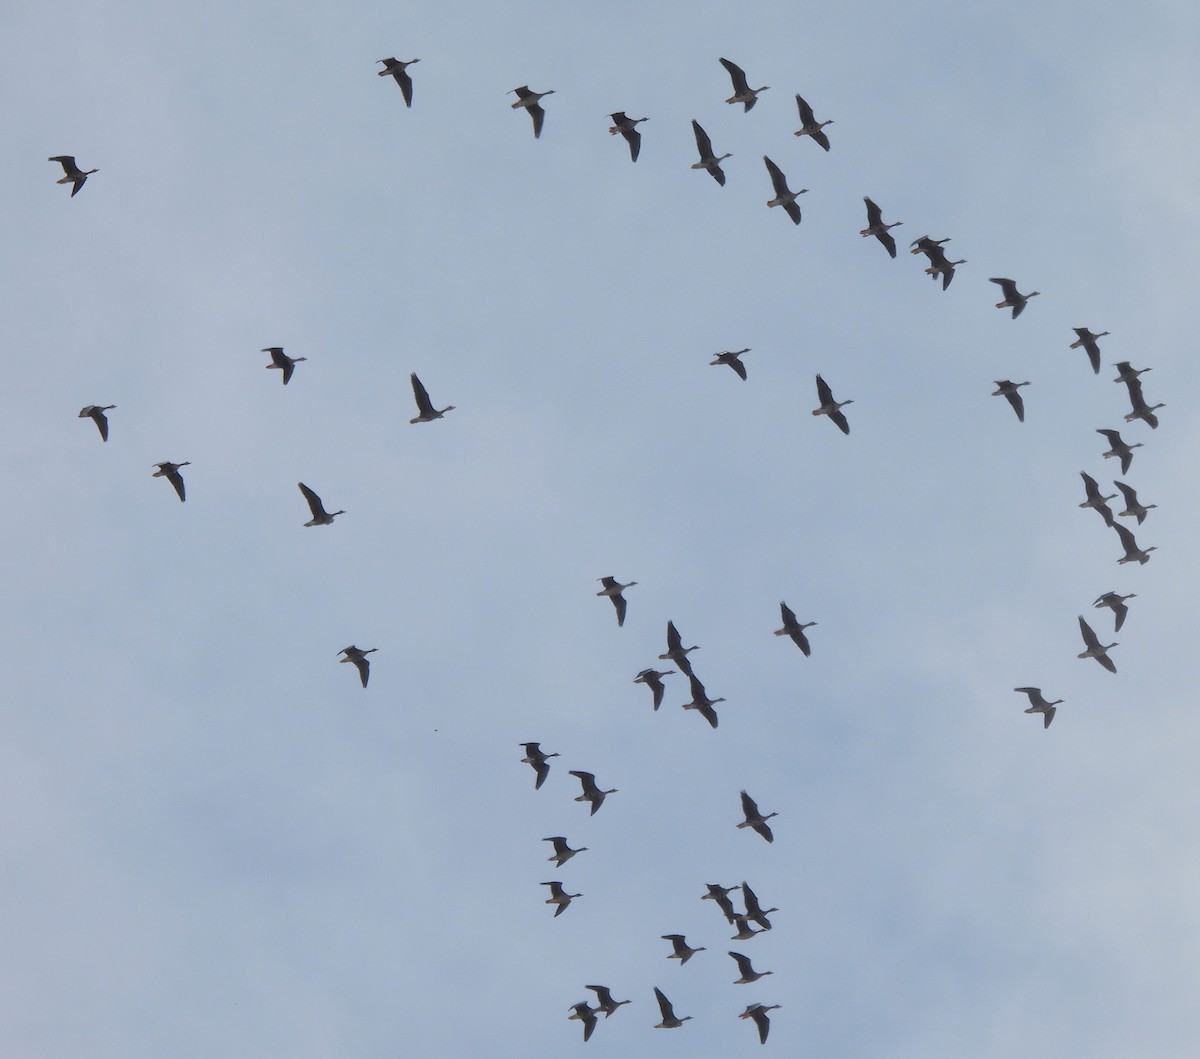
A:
585, 1013
742, 92
1126, 373
539, 761
1088, 341
1133, 554
72, 174
941, 265
809, 126
170, 471
744, 931
559, 897
393, 67
613, 589
682, 951
1116, 604
676, 652
357, 657
1037, 704
830, 407
720, 894
1141, 410
95, 412
784, 196
1013, 298
426, 412
1095, 649
320, 517
1008, 390
748, 973
758, 1012
529, 100
701, 703
670, 1021
794, 629
927, 246
877, 228
591, 793
1133, 507
755, 819
755, 911
1095, 500
282, 361
652, 678
627, 127
708, 160
562, 852
1118, 449
604, 998
732, 358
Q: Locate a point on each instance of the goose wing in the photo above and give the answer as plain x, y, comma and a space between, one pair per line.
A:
824, 393
1089, 635
67, 161
539, 116
778, 180
703, 143
664, 1006
874, 214
176, 479
1009, 288
314, 501
807, 117
737, 75
424, 405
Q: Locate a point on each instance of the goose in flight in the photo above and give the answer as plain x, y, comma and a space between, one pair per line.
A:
784, 196
1133, 554
1088, 341
393, 67
562, 852
733, 359
585, 1013
540, 762
927, 246
72, 174
830, 407
758, 1012
701, 703
280, 360
530, 101
794, 629
559, 897
1141, 410
627, 127
670, 1021
708, 161
320, 517
357, 657
1095, 500
605, 999
591, 793
1116, 604
427, 413
95, 412
1008, 390
1126, 373
652, 678
755, 819
941, 265
1037, 704
742, 92
748, 973
613, 589
877, 228
1013, 298
170, 471
809, 126
682, 951
1095, 649
1133, 507
744, 931
720, 894
755, 911
676, 652
1118, 449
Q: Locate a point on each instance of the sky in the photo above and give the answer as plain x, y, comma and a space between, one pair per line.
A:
217, 843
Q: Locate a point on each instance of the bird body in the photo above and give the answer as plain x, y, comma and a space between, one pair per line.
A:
1134, 508
784, 196
1038, 704
591, 793
830, 407
72, 174
742, 92
170, 471
1095, 500
1116, 604
652, 678
426, 413
670, 1021
282, 361
877, 228
755, 819
794, 629
357, 657
393, 67
95, 412
708, 161
529, 100
701, 702
585, 1013
748, 973
627, 127
613, 589
758, 1012
559, 897
732, 358
1088, 341
1009, 390
562, 852
1133, 554
320, 517
1013, 298
1118, 449
676, 652
809, 126
682, 951
1095, 649
539, 760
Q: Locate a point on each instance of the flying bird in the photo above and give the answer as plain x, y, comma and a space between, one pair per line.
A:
357, 657
1126, 373
1133, 507
1095, 500
830, 407
652, 678
676, 652
591, 793
794, 629
427, 413
1142, 410
733, 359
755, 819
682, 951
72, 174
1088, 341
670, 1021
748, 973
1116, 604
170, 471
627, 127
1013, 298
613, 589
809, 126
1095, 649
393, 67
744, 932
280, 360
562, 852
708, 161
877, 228
604, 998
701, 702
758, 1012
1118, 449
1133, 554
320, 517
941, 265
1037, 704
529, 100
559, 897
784, 196
539, 761
742, 92
585, 1013
95, 412
720, 894
1008, 389
755, 911
927, 246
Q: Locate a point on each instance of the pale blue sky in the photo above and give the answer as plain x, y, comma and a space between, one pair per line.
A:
218, 844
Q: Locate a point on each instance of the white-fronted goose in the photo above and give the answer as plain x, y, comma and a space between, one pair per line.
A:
605, 999
426, 412
732, 358
282, 361
562, 852
1116, 604
1038, 704
1013, 298
393, 67
559, 897
682, 951
627, 127
1007, 389
758, 1012
591, 793
357, 657
877, 228
809, 126
529, 100
830, 407
95, 412
320, 517
709, 162
1118, 449
539, 761
742, 92
748, 973
170, 471
1088, 341
701, 703
652, 678
585, 1013
1133, 507
1095, 649
794, 629
1095, 500
72, 174
1133, 554
613, 589
670, 1021
755, 819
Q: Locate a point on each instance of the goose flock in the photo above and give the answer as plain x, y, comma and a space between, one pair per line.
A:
752, 919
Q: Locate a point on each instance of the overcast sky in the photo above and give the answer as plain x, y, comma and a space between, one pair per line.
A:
216, 843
